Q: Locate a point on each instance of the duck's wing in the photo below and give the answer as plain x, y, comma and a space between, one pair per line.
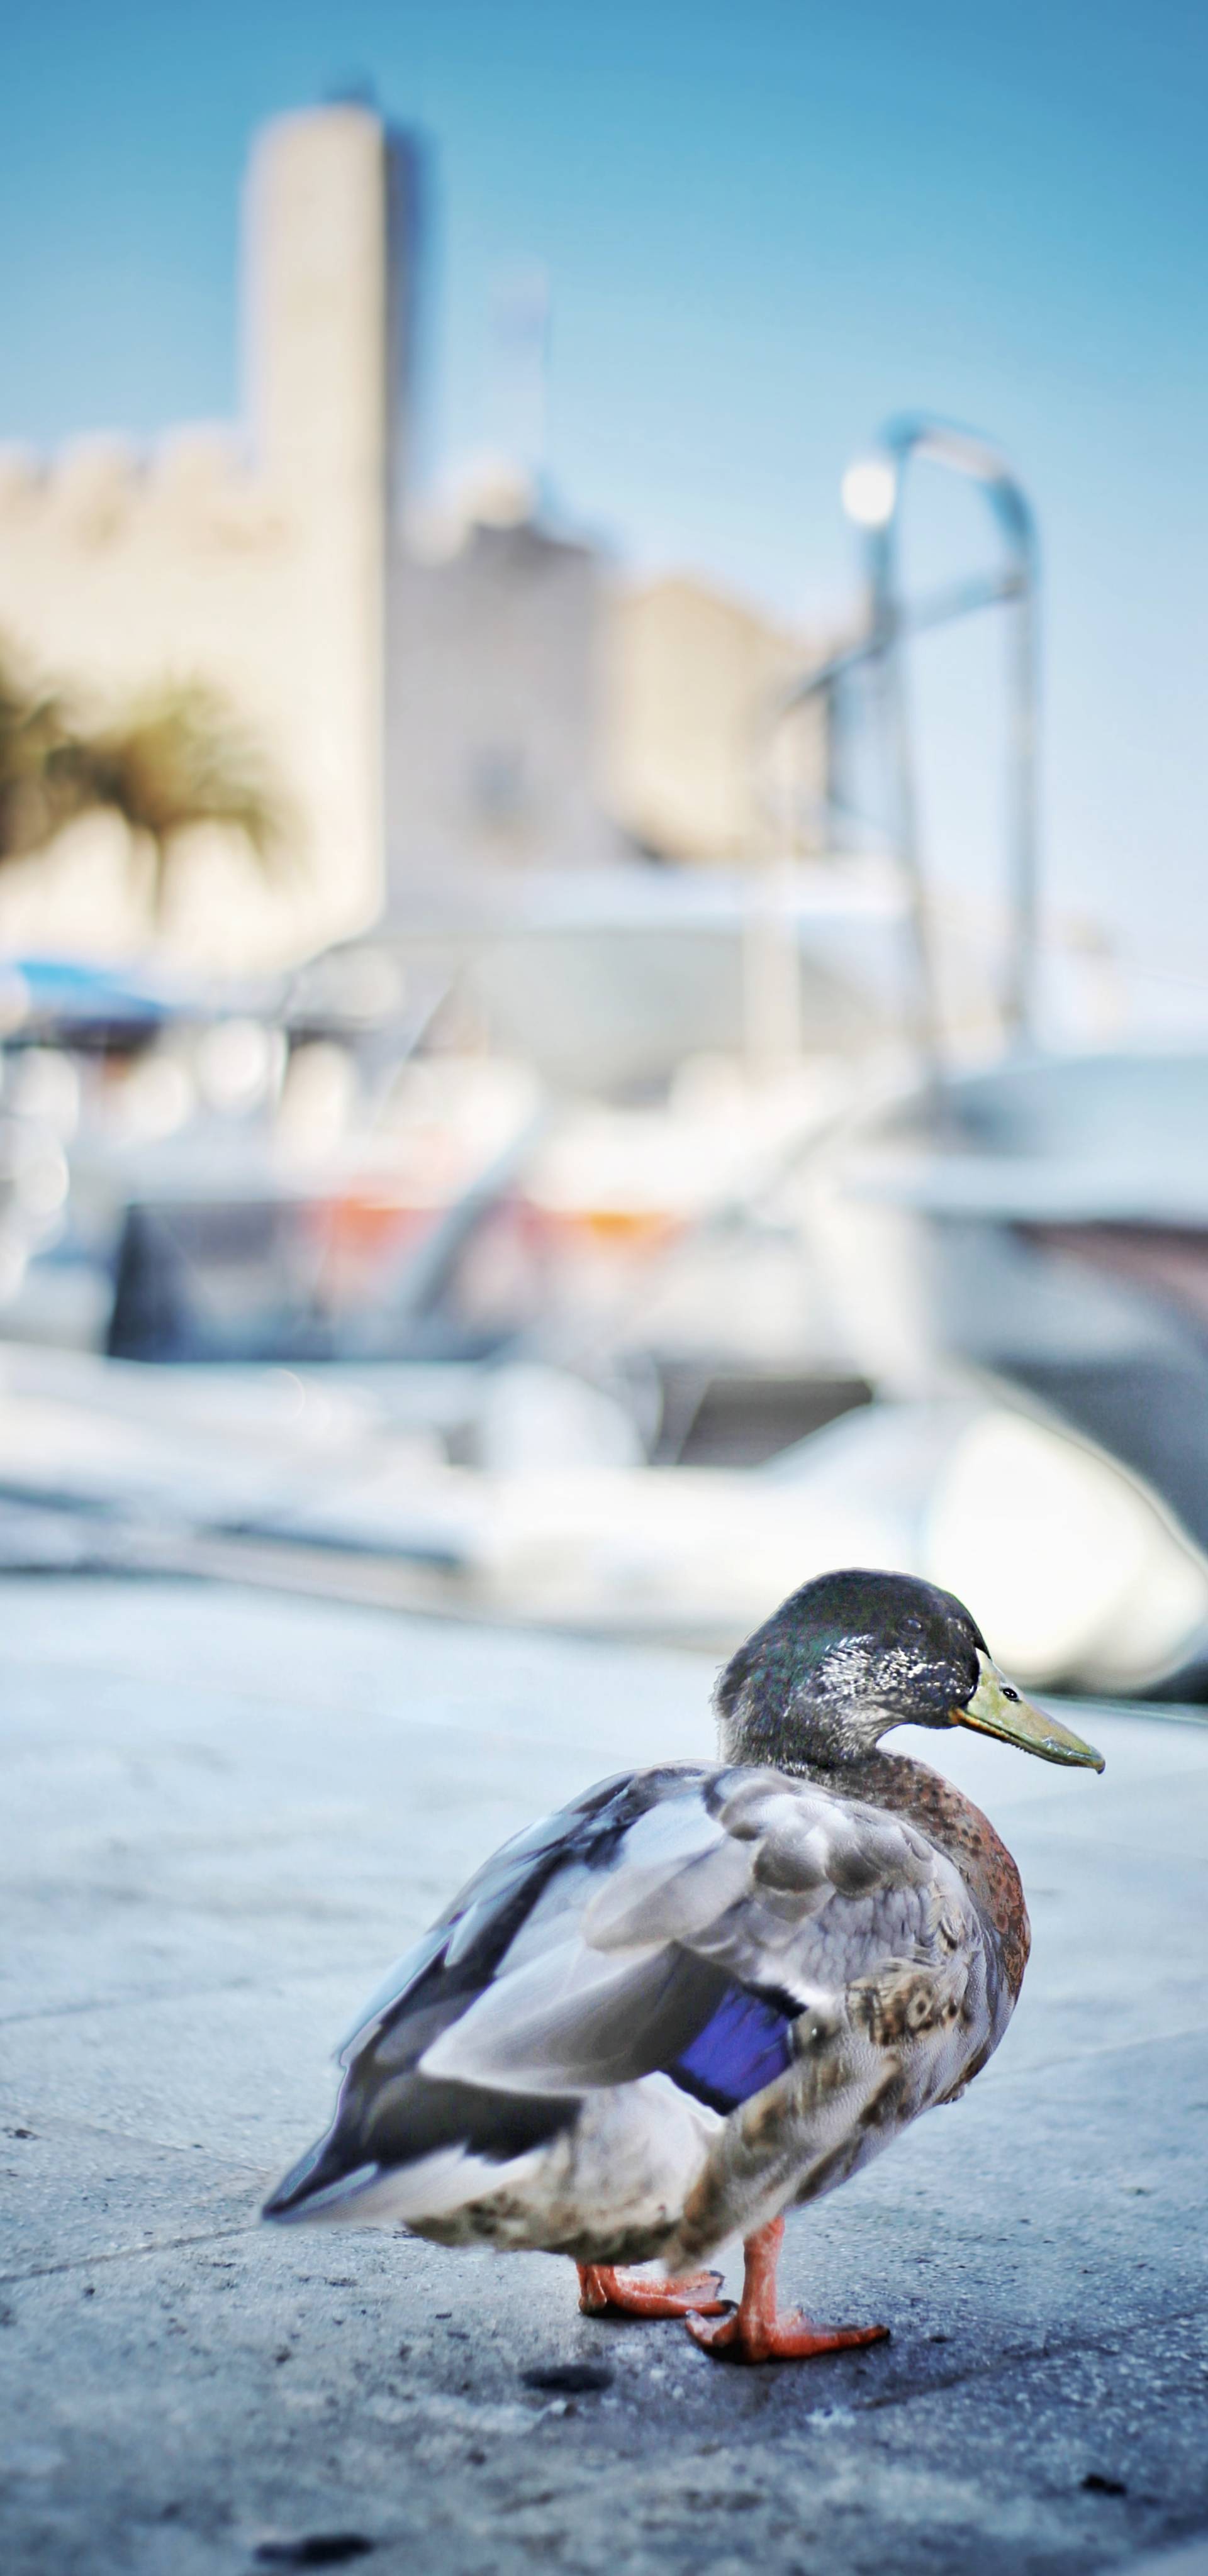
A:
534, 1881
390, 2113
689, 1922
735, 1903
482, 1918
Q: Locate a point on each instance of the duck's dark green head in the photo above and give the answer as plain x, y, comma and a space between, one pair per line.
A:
853, 1654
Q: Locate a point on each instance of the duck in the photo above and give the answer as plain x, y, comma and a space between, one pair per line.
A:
706, 1993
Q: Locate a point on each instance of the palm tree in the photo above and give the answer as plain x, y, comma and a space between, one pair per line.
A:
39, 785
177, 759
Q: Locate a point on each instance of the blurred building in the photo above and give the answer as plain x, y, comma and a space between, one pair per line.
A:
688, 672
544, 711
507, 703
494, 705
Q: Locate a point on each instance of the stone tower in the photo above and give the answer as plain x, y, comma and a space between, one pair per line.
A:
325, 290
322, 300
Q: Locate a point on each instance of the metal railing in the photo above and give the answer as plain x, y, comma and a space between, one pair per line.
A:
877, 488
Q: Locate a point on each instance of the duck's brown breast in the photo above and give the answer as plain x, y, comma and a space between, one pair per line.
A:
951, 1821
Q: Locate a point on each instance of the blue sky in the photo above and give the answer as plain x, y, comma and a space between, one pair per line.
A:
767, 227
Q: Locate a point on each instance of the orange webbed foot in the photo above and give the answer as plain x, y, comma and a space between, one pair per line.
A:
789, 2337
606, 2289
756, 2330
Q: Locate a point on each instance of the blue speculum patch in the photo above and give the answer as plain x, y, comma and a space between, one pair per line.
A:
744, 2046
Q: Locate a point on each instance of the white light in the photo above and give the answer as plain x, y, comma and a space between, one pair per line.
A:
46, 1086
42, 1184
234, 1063
318, 1099
869, 490
156, 1097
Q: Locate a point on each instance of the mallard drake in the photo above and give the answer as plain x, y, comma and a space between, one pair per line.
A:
704, 1993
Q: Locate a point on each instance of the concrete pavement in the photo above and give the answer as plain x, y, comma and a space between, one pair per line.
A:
223, 1815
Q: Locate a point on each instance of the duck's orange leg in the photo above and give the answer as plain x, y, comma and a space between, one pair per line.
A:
605, 2289
755, 2332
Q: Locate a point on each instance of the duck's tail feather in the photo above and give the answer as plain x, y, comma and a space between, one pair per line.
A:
321, 2183
401, 2135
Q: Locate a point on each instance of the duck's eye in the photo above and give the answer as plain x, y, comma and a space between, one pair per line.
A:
1008, 1693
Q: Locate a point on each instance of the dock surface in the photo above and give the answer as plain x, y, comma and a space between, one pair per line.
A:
222, 1816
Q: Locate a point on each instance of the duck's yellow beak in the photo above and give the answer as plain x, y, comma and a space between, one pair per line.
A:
997, 1708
